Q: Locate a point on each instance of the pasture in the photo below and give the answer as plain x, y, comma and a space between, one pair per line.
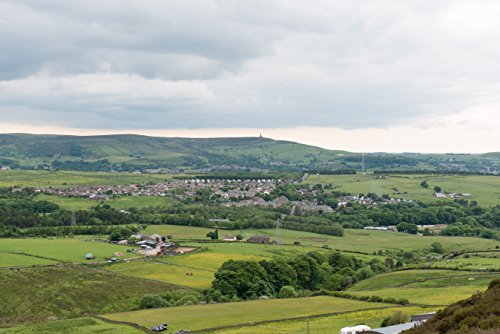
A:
202, 263
21, 260
197, 317
163, 272
77, 326
34, 178
353, 240
327, 324
58, 250
484, 189
122, 202
470, 261
430, 287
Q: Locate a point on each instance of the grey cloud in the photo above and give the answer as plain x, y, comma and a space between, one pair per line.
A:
194, 64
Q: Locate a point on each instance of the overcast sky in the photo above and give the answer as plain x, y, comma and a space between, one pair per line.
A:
363, 75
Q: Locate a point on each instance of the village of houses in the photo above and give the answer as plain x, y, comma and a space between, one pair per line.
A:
232, 192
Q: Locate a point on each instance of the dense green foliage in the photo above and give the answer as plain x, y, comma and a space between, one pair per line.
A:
21, 215
311, 271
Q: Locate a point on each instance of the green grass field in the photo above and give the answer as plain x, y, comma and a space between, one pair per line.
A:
34, 294
199, 317
202, 264
484, 189
58, 249
408, 277
120, 203
325, 325
33, 178
472, 262
431, 287
353, 240
20, 260
78, 326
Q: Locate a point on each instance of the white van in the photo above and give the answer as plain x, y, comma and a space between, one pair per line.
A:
354, 329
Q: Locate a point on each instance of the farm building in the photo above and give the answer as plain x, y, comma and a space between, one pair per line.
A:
230, 238
259, 239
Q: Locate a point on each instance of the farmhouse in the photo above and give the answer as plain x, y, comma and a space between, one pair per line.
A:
230, 238
259, 239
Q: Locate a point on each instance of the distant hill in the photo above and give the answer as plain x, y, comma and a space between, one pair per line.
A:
479, 314
131, 152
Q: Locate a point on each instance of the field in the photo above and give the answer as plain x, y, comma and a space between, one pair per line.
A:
215, 315
120, 203
20, 260
471, 262
32, 178
353, 240
202, 263
327, 324
430, 287
58, 249
34, 294
484, 189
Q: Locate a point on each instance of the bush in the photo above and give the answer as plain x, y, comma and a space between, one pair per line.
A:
396, 318
187, 300
152, 301
287, 291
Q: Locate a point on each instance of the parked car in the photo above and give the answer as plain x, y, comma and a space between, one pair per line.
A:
159, 328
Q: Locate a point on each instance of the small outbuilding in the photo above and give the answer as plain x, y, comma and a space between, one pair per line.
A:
259, 239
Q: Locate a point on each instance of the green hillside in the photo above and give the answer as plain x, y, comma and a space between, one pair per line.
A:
128, 152
131, 152
34, 294
475, 315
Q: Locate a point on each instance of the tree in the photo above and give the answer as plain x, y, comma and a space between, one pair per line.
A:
407, 228
213, 235
437, 248
120, 234
437, 189
424, 184
287, 291
244, 279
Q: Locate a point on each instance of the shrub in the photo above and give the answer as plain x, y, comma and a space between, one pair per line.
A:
287, 291
396, 318
152, 301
